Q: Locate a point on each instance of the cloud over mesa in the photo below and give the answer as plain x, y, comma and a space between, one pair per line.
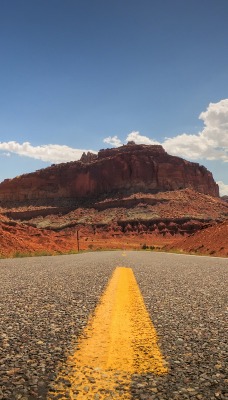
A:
209, 144
223, 189
53, 153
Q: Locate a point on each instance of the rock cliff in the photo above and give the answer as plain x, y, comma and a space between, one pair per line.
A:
126, 169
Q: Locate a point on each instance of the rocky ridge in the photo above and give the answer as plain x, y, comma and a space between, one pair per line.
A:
208, 241
127, 169
121, 222
127, 196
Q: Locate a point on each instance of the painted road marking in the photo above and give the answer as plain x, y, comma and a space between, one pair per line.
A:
118, 341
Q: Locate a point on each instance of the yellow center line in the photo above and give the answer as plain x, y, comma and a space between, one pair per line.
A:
118, 341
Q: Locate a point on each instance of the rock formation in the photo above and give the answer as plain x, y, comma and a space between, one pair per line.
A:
127, 169
87, 158
225, 198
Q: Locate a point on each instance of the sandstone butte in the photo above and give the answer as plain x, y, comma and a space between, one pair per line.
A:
128, 169
129, 197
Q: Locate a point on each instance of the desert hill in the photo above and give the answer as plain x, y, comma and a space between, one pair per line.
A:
174, 210
126, 170
121, 198
127, 222
17, 239
126, 228
208, 241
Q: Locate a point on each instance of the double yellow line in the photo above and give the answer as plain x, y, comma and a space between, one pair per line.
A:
118, 341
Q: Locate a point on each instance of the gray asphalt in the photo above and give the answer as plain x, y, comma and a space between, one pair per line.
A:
45, 303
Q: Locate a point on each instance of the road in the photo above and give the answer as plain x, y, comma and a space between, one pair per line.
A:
46, 303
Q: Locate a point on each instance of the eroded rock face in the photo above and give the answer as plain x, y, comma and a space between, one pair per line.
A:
87, 158
225, 198
127, 169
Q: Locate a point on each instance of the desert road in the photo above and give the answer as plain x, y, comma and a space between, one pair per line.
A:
114, 325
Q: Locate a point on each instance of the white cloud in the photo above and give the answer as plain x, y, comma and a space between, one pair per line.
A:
139, 139
209, 144
53, 153
113, 140
223, 188
133, 136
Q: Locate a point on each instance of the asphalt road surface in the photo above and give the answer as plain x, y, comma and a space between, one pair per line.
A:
46, 301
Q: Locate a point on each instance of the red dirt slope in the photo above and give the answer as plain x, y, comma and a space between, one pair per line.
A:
17, 239
212, 241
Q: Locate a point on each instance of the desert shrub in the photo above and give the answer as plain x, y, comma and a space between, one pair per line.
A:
40, 253
72, 251
212, 252
43, 253
19, 254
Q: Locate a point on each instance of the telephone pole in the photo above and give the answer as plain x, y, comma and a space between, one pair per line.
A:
77, 235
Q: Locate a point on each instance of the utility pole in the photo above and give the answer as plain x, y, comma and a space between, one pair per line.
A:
78, 239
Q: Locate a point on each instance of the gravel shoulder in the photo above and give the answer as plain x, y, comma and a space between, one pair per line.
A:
46, 301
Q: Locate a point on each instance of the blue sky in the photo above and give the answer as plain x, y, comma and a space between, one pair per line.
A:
77, 72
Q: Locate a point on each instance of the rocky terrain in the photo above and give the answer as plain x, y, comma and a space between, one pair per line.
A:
131, 222
17, 240
208, 241
130, 197
126, 169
